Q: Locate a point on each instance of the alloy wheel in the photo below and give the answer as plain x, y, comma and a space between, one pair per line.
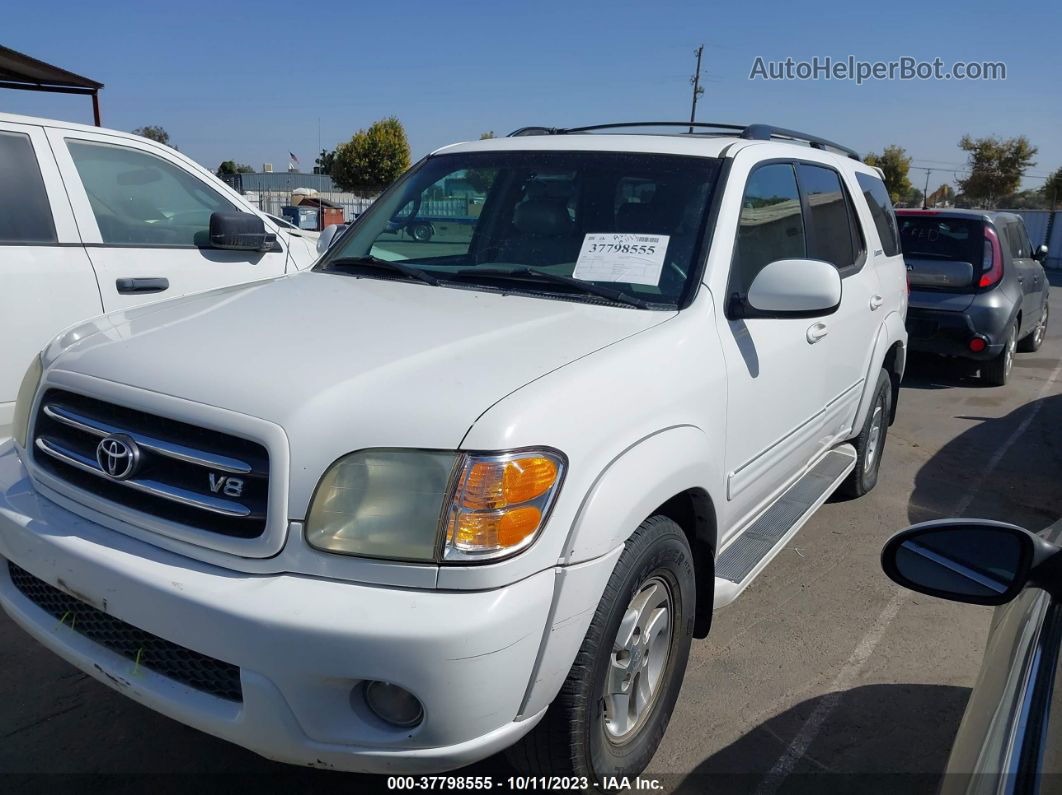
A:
638, 660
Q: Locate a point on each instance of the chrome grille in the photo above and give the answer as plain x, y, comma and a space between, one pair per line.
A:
196, 477
206, 674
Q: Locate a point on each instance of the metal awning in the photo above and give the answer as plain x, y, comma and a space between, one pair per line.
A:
19, 71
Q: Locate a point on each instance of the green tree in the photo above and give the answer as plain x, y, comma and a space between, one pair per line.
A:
912, 199
996, 167
895, 165
1052, 189
324, 161
232, 167
155, 133
376, 156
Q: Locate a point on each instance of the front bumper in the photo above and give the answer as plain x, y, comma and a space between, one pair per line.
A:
302, 644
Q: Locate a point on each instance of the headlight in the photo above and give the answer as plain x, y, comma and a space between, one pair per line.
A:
24, 402
433, 506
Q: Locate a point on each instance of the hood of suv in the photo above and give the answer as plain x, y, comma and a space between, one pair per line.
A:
343, 363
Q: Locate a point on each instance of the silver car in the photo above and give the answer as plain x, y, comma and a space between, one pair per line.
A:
1010, 738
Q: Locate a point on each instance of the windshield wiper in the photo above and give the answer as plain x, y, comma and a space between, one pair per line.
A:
369, 261
533, 274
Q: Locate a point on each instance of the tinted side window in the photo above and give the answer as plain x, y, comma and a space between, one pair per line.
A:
140, 199
881, 211
771, 226
1017, 240
830, 236
25, 215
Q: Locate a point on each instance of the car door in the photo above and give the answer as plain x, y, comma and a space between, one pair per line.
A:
1030, 274
774, 373
1010, 737
144, 216
46, 280
835, 235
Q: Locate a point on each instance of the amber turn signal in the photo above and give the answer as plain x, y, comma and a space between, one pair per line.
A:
499, 503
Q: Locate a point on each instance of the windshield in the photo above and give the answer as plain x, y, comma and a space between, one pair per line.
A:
933, 237
584, 225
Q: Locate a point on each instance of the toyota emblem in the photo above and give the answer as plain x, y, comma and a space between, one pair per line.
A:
118, 456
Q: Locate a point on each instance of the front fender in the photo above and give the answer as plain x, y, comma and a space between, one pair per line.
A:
639, 480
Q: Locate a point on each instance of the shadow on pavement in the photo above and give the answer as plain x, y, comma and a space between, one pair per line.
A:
1024, 488
927, 371
873, 731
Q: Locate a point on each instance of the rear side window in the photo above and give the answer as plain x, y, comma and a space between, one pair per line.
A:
140, 199
881, 211
771, 226
1017, 240
831, 234
25, 215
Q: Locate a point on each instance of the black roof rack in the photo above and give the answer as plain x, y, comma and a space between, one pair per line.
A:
752, 132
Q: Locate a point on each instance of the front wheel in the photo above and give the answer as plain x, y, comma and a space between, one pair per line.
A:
1032, 342
614, 707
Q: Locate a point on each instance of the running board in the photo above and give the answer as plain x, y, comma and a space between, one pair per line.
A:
753, 549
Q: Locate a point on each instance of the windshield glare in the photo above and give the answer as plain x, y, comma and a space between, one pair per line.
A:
628, 221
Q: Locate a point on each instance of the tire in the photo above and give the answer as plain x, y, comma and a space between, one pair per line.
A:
996, 372
577, 737
1032, 342
422, 233
870, 443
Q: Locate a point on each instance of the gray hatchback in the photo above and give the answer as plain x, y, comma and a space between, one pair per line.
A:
978, 289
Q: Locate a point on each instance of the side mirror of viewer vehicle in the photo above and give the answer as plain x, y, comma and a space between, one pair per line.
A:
971, 560
793, 288
240, 232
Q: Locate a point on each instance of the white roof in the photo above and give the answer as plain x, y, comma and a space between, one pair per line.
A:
699, 145
13, 118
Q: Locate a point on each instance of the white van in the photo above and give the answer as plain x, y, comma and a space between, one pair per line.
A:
94, 220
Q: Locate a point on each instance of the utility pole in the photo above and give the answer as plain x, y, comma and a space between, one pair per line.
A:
695, 81
925, 194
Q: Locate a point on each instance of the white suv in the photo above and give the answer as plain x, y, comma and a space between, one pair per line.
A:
93, 220
438, 496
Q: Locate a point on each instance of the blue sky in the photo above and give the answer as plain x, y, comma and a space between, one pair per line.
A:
248, 80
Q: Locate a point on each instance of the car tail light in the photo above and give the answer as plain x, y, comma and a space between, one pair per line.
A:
992, 265
978, 344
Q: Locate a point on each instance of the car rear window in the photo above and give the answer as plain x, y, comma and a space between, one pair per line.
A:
932, 237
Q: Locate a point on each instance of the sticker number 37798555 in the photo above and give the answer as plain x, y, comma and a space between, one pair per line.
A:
621, 257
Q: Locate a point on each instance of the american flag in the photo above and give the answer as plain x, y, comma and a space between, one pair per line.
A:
293, 161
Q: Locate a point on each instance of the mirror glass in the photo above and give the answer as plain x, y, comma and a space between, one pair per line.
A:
963, 561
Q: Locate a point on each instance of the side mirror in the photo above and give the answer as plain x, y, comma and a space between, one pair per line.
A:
1040, 254
240, 232
971, 560
794, 288
328, 236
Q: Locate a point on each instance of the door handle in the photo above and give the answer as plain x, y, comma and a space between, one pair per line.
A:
142, 285
816, 332
875, 302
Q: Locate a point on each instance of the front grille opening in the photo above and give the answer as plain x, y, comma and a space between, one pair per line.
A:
198, 671
166, 472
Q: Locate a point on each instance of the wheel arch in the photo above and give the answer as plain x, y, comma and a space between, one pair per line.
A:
668, 473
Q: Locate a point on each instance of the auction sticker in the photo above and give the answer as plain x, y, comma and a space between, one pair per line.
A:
620, 257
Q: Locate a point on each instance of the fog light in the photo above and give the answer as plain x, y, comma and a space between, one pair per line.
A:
393, 704
978, 344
